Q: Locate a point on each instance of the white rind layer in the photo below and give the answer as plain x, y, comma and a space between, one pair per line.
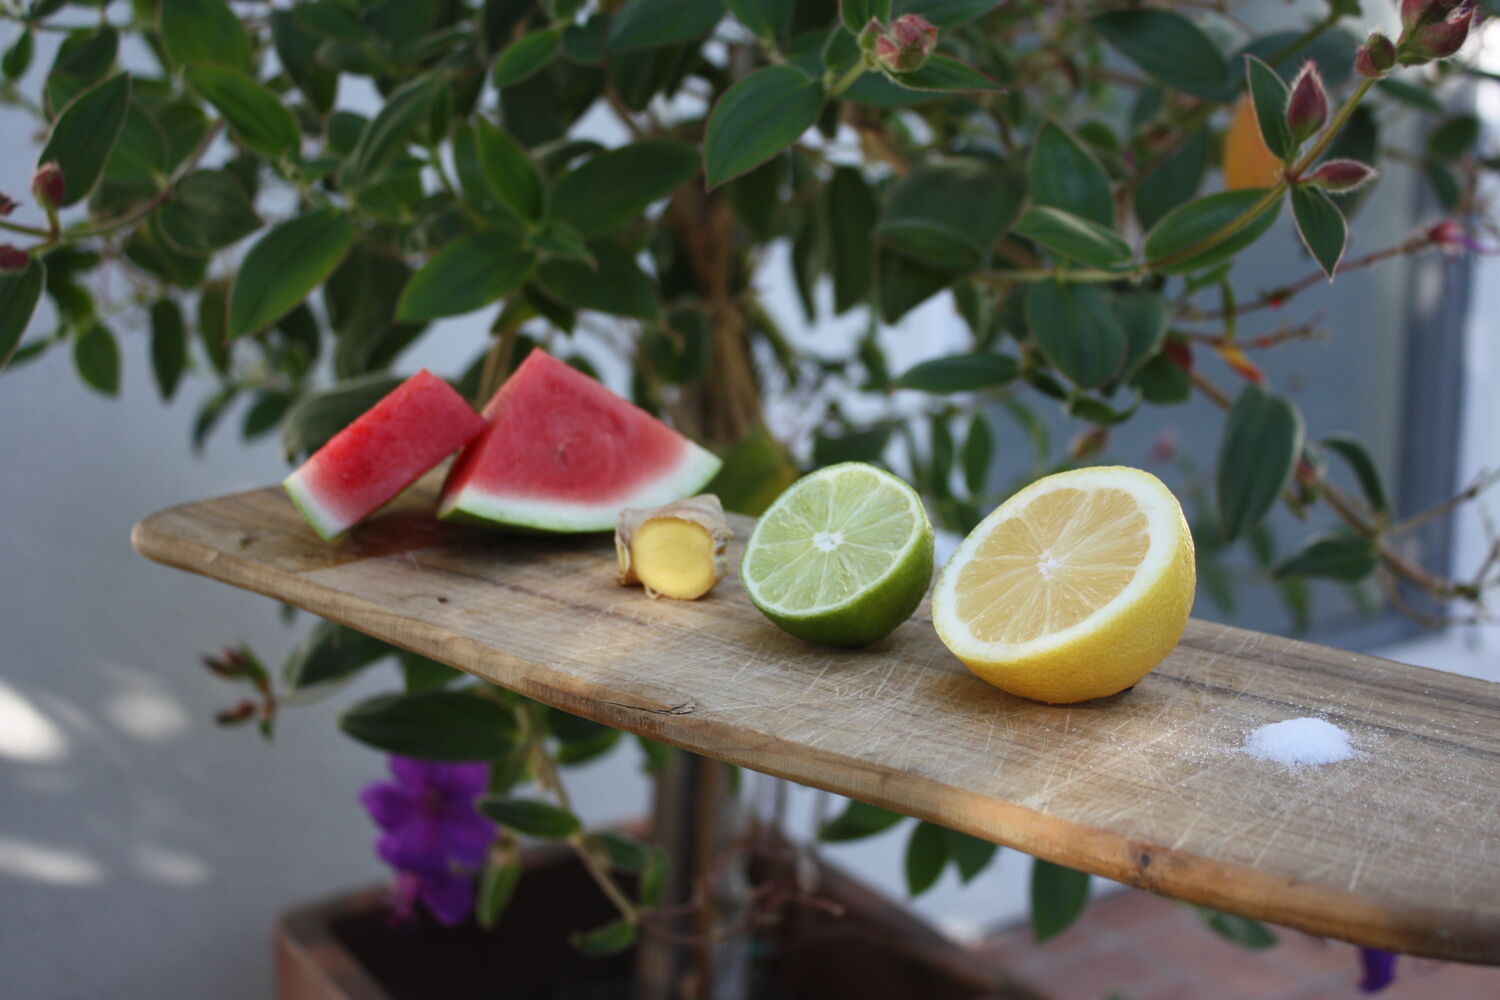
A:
320, 517
693, 471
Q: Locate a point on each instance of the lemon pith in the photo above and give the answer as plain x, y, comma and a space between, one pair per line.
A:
1072, 589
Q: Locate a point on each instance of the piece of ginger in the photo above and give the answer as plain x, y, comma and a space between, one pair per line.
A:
675, 550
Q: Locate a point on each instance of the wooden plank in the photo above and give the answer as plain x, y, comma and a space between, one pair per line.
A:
1398, 848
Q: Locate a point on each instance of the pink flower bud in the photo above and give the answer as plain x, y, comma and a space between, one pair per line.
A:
7, 205
914, 32
1412, 12
1339, 176
1376, 57
1440, 39
870, 34
242, 711
1307, 107
907, 45
48, 186
13, 258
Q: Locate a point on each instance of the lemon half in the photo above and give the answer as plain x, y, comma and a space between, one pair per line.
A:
1072, 589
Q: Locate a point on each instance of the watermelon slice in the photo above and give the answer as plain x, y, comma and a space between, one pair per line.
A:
418, 424
563, 453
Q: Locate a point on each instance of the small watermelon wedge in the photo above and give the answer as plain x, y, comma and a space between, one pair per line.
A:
414, 427
563, 453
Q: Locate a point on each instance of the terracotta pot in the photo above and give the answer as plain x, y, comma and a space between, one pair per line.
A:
346, 949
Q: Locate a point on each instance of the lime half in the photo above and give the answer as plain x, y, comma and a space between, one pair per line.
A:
842, 557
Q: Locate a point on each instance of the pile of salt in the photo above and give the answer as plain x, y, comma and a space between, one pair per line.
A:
1298, 743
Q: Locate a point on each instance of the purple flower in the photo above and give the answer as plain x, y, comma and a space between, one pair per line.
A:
434, 837
1379, 970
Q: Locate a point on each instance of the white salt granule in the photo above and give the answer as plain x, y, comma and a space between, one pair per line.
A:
1298, 743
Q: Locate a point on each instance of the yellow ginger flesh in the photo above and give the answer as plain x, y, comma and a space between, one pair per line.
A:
677, 550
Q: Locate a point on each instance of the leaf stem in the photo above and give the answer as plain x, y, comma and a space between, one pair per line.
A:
850, 77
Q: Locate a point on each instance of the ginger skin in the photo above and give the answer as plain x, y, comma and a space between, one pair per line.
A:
676, 550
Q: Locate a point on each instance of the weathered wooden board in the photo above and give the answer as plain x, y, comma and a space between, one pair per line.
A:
1398, 848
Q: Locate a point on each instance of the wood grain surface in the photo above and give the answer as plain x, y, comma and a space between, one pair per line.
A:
1397, 848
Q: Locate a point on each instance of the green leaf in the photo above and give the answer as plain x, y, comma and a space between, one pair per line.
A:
611, 939
526, 57
332, 19
496, 887
435, 725
616, 285
946, 216
532, 817
1332, 557
614, 188
867, 445
257, 116
213, 320
97, 358
265, 413
85, 135
1073, 237
979, 451
424, 674
297, 51
857, 13
17, 58
757, 118
853, 212
556, 239
1190, 225
1242, 931
467, 274
1058, 897
1257, 456
168, 346
926, 856
944, 74
331, 652
857, 821
1170, 49
1269, 94
388, 134
19, 293
945, 13
1353, 452
970, 854
511, 173
285, 265
1321, 226
1175, 181
318, 416
651, 24
83, 59
961, 373
1410, 93
902, 284
1143, 316
204, 31
207, 211
1065, 174
1076, 330
211, 413
1454, 137
764, 18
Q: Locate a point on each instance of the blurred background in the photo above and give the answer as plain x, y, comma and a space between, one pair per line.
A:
144, 852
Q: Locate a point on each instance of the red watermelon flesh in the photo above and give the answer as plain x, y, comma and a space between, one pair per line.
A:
414, 427
564, 453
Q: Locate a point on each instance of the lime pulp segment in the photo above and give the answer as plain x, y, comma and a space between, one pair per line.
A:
830, 538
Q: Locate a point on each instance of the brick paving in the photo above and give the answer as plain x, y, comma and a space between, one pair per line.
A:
1135, 946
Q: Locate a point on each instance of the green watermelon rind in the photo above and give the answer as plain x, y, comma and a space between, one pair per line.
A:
471, 505
324, 523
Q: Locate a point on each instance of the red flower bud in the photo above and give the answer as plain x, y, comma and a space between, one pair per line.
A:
48, 186
1307, 107
913, 32
1179, 352
1342, 175
242, 711
1376, 57
907, 45
7, 204
13, 258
